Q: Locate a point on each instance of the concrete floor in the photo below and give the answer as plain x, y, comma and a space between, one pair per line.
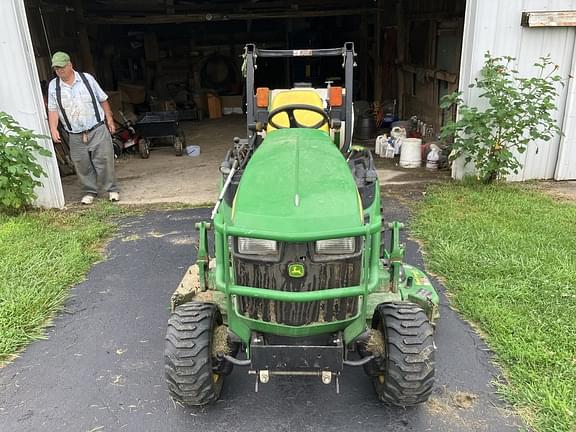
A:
167, 178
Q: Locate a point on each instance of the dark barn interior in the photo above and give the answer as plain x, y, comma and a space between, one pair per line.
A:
185, 56
171, 53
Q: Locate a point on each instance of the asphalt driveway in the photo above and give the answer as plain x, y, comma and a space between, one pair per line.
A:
101, 366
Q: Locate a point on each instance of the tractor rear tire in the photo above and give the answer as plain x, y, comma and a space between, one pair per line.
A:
191, 369
407, 366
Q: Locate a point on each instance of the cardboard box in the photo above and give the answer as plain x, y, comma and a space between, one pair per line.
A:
231, 101
163, 105
132, 93
170, 105
115, 101
128, 110
214, 106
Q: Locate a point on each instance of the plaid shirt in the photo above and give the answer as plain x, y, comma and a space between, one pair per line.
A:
77, 102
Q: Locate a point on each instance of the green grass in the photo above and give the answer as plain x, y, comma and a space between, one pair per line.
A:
42, 254
508, 259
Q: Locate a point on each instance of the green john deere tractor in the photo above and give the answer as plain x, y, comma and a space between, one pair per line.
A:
300, 283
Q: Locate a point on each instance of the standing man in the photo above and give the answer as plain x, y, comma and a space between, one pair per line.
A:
76, 99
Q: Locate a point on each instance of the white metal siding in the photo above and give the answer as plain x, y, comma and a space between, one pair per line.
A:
566, 165
494, 25
20, 93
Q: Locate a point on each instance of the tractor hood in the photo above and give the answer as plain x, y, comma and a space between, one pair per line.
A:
297, 182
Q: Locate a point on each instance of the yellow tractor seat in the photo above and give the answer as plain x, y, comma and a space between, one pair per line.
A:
299, 97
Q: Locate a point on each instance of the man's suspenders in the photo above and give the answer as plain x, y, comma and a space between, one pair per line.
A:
59, 100
94, 104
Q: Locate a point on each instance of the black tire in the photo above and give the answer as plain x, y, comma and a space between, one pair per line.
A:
178, 146
191, 370
144, 148
118, 147
406, 369
180, 142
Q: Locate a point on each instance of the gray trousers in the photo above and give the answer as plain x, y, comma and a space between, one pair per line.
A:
94, 160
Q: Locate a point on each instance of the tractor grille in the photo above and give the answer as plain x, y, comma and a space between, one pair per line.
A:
318, 276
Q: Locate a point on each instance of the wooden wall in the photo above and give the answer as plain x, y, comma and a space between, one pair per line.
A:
429, 45
408, 50
51, 29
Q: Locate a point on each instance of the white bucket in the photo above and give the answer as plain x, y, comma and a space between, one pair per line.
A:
193, 150
411, 153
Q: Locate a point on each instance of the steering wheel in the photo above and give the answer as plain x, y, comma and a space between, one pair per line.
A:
289, 110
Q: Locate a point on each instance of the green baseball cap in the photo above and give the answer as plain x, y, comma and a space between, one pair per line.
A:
60, 59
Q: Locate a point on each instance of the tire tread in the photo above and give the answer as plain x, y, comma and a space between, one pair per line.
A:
187, 353
409, 364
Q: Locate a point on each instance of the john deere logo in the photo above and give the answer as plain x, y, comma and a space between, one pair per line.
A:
296, 270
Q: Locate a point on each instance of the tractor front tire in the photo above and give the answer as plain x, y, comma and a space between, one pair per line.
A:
406, 368
191, 369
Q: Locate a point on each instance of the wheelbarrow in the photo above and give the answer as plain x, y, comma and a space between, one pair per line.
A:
162, 124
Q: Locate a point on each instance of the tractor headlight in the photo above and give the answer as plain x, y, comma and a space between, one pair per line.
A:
253, 246
339, 246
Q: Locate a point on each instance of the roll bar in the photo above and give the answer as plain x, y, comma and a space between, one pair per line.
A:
251, 54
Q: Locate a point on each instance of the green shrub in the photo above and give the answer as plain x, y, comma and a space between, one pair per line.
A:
519, 111
19, 171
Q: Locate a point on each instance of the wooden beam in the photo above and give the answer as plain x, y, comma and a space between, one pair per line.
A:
431, 73
128, 7
201, 17
239, 38
401, 41
435, 16
377, 97
549, 19
85, 53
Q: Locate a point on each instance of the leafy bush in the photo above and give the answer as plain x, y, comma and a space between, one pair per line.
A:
19, 171
519, 111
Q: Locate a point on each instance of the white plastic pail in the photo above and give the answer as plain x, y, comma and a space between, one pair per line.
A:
193, 150
410, 153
